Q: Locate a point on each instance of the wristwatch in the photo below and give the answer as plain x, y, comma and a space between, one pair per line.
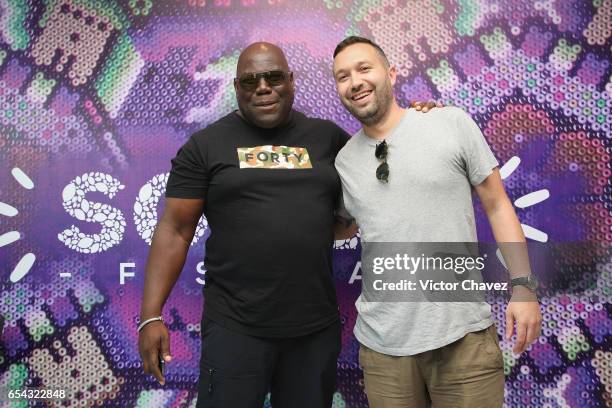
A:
528, 281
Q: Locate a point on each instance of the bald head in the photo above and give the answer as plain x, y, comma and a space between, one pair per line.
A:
266, 103
261, 52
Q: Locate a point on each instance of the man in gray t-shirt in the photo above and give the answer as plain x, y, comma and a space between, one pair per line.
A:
408, 178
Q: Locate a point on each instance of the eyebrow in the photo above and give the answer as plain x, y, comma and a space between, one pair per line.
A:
360, 62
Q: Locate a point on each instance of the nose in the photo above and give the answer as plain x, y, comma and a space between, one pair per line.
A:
356, 83
263, 86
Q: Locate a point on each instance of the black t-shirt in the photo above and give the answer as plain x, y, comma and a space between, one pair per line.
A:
270, 196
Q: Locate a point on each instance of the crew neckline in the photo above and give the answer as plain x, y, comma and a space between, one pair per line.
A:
289, 124
375, 142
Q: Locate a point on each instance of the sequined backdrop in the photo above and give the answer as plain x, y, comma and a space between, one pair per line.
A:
96, 97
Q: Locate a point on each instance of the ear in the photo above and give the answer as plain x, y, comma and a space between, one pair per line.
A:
291, 80
235, 85
392, 74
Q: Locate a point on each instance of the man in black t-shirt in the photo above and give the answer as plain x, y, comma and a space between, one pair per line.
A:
264, 177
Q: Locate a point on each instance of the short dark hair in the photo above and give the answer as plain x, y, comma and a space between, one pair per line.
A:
353, 39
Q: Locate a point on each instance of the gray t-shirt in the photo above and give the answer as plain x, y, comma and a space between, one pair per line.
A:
433, 159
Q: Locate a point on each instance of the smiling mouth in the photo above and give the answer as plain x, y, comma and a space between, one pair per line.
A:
361, 95
265, 104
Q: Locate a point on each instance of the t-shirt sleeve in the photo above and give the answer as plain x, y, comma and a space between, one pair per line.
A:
188, 177
341, 211
477, 154
339, 137
342, 138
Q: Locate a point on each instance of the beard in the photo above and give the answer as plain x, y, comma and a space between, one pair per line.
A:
378, 107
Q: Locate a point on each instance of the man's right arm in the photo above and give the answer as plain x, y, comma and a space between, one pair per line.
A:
171, 240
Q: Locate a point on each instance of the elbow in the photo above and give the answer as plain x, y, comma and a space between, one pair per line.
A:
501, 205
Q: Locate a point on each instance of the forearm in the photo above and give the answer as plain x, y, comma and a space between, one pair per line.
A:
504, 223
164, 265
510, 238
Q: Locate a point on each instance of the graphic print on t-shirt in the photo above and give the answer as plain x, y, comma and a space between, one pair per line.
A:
273, 157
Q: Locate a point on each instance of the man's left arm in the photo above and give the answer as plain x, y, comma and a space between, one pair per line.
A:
523, 308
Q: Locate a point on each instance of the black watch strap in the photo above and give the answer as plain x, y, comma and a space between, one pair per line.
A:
527, 281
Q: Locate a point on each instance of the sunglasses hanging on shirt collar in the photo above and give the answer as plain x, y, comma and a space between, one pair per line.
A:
382, 172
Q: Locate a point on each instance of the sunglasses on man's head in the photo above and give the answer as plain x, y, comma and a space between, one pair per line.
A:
250, 81
382, 172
